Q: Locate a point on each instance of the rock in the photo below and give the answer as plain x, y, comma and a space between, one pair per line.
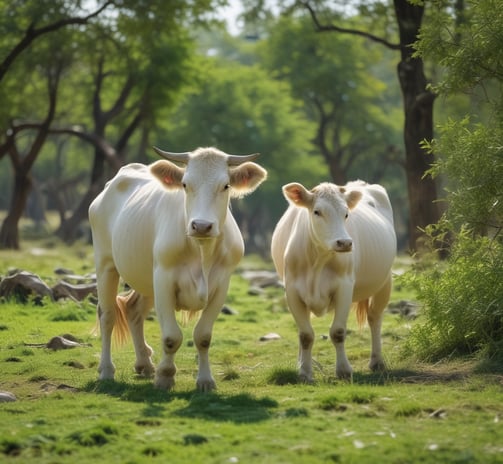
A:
63, 271
75, 292
255, 291
262, 279
22, 285
228, 311
269, 337
6, 397
61, 343
404, 308
194, 439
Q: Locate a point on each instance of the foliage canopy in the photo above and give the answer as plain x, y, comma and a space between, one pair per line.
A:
463, 298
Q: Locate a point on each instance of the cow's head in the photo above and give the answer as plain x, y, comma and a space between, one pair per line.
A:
328, 206
209, 178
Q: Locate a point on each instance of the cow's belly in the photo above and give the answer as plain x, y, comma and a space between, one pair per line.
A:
370, 278
140, 279
134, 263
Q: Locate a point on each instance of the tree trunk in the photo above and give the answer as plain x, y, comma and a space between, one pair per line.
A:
68, 229
9, 233
418, 108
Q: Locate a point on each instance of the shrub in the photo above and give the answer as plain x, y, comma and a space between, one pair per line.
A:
462, 302
463, 296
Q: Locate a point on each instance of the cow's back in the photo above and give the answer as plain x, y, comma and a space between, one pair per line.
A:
374, 248
127, 217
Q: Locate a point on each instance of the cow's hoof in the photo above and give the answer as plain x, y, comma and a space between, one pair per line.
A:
106, 373
305, 378
145, 370
377, 365
344, 374
206, 386
164, 383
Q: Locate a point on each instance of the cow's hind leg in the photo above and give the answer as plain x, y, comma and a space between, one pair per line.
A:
107, 282
374, 318
136, 308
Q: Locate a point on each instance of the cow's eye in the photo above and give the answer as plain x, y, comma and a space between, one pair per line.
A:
347, 215
227, 186
184, 185
317, 212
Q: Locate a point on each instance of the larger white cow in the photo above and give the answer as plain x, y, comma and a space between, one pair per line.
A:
334, 246
168, 232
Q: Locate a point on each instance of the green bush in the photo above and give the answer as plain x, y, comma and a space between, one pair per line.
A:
462, 297
462, 302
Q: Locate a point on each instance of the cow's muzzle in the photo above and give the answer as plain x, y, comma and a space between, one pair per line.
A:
201, 229
343, 245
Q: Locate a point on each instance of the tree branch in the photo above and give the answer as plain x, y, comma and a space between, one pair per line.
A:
332, 27
32, 33
95, 140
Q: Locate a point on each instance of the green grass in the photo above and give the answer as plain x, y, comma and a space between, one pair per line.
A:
260, 413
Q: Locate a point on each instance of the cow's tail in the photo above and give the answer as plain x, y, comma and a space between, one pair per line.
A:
121, 328
188, 316
362, 309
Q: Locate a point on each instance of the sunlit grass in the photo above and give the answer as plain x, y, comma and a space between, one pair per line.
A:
259, 413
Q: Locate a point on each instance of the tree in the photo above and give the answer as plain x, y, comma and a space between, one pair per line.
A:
26, 26
355, 127
465, 39
23, 156
128, 87
418, 99
241, 110
63, 14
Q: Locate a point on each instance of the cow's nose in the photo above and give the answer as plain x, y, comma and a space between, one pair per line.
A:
200, 227
343, 244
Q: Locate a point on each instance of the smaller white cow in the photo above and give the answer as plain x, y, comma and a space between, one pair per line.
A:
168, 232
334, 246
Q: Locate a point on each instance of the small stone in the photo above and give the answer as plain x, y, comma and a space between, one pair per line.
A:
6, 397
270, 336
194, 439
61, 343
229, 311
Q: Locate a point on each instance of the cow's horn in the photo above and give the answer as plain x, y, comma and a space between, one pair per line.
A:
177, 157
234, 160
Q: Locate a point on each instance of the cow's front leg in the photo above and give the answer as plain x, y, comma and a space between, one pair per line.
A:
171, 340
202, 339
302, 317
170, 331
338, 331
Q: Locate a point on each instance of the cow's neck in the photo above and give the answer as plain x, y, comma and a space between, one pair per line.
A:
207, 249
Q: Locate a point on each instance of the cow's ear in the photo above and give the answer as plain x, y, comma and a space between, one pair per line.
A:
168, 173
298, 195
352, 198
245, 178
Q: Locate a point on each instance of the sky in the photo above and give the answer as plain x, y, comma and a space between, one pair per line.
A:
230, 13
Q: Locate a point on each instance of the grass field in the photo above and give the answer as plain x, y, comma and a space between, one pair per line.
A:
443, 413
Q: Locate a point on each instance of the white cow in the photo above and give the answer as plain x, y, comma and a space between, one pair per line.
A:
168, 232
334, 246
